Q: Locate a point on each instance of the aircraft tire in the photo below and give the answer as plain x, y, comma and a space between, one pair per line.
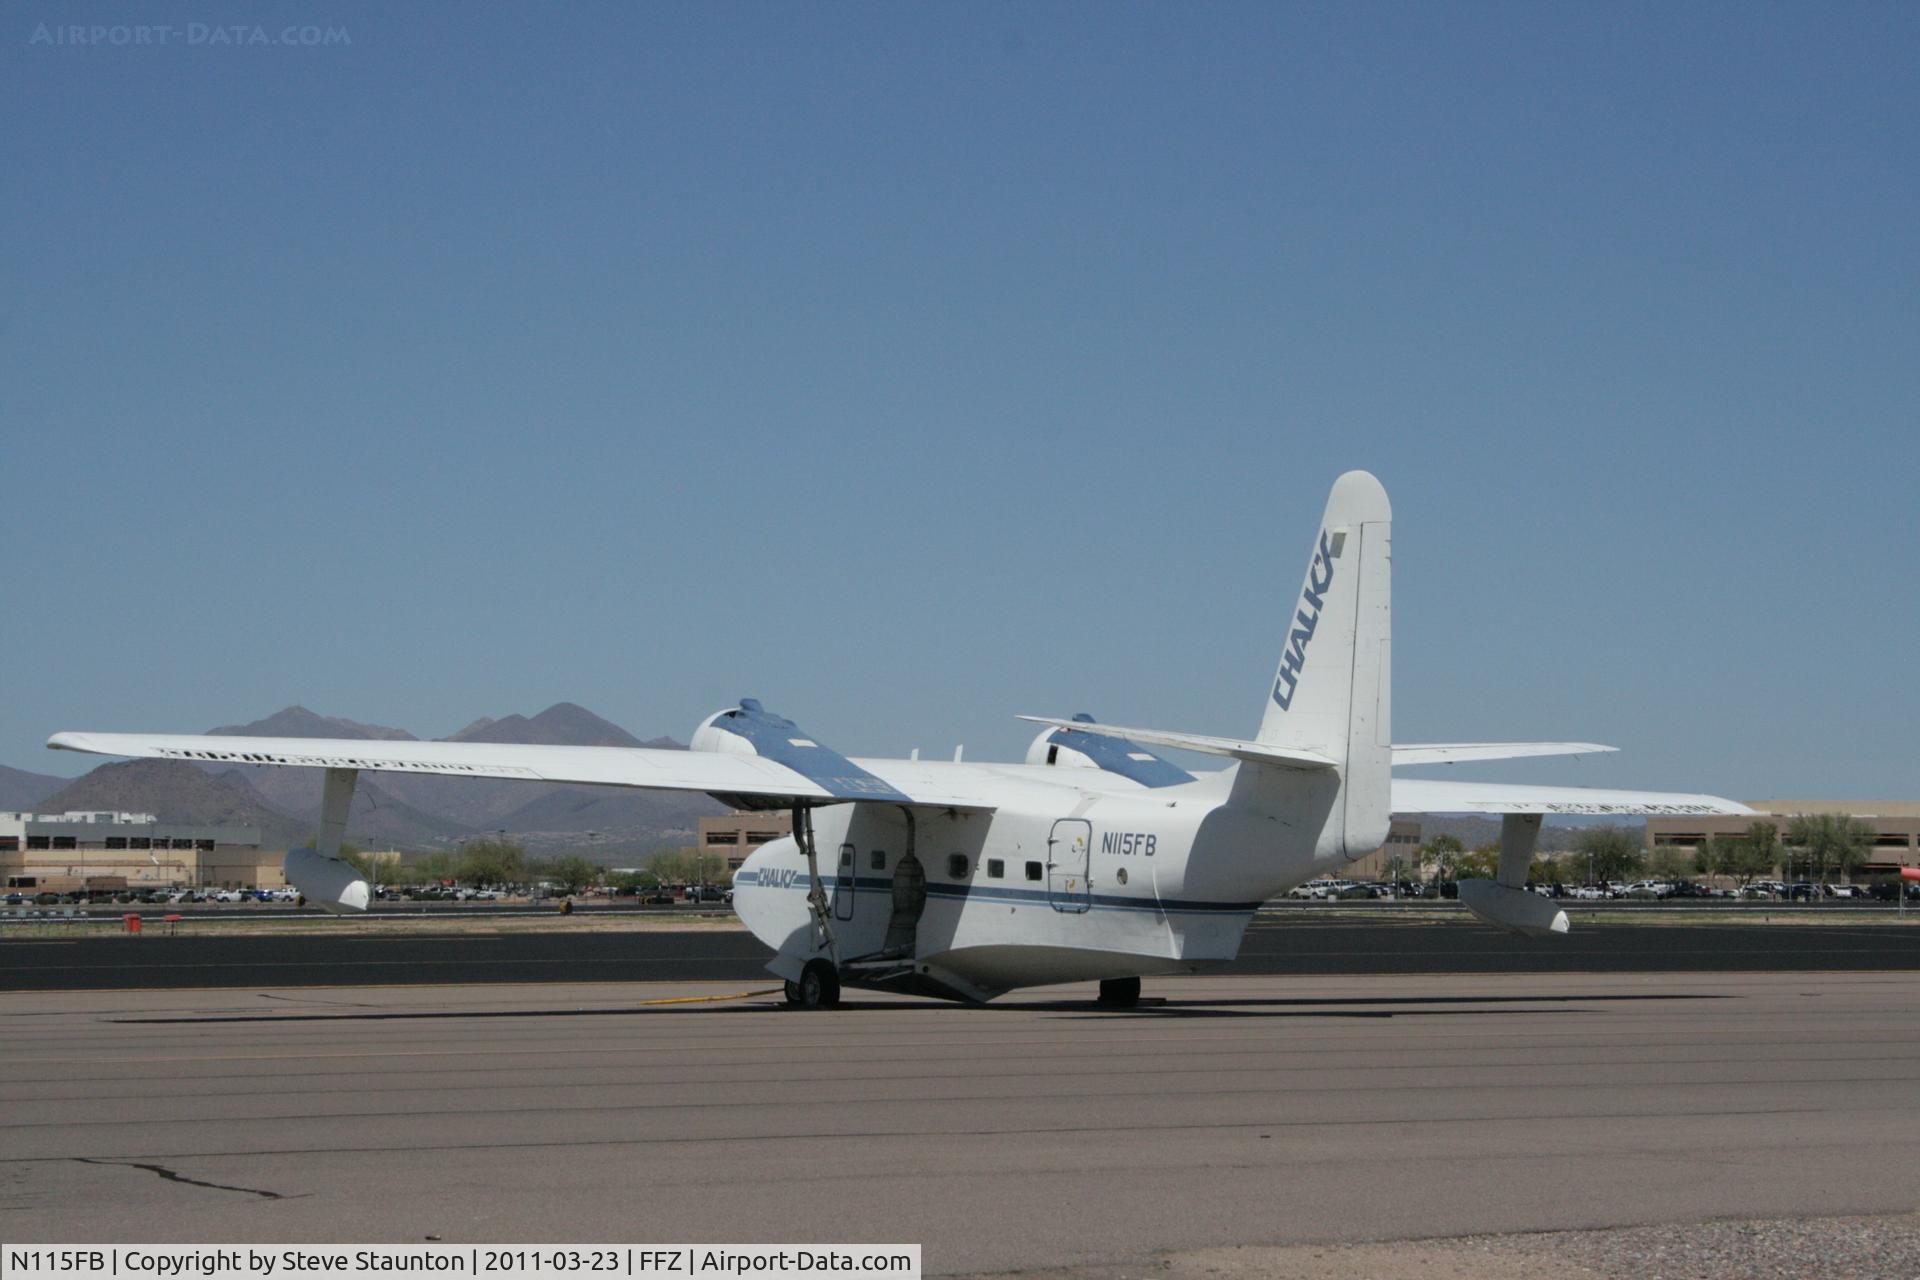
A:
1120, 993
819, 986
793, 993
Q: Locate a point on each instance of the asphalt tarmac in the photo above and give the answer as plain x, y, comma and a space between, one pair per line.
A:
1040, 1131
1291, 942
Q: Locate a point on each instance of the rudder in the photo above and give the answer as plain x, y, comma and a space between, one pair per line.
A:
1332, 690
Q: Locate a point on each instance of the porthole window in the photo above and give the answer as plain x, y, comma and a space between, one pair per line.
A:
877, 860
957, 865
1033, 871
1121, 875
996, 867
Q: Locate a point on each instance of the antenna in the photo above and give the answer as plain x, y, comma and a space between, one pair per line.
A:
957, 752
914, 754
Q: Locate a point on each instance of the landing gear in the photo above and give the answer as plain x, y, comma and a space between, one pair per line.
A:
818, 988
1120, 993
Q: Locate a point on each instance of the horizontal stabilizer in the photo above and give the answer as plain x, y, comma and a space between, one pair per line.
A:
1461, 752
1256, 752
1428, 795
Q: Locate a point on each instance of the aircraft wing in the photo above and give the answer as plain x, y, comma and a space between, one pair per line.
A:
898, 781
1427, 795
1460, 752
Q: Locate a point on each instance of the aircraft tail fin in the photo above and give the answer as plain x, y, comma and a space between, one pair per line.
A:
1332, 693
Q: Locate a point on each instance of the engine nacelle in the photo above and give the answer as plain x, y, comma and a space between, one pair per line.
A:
751, 730
328, 883
1046, 751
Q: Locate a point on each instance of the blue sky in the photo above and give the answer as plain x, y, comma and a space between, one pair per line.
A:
911, 366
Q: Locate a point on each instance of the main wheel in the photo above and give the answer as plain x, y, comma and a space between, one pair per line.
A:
793, 993
1121, 993
819, 986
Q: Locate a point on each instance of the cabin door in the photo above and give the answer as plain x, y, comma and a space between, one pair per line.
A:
1069, 852
843, 885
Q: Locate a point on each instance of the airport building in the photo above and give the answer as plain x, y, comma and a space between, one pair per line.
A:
1403, 841
1895, 823
101, 850
737, 834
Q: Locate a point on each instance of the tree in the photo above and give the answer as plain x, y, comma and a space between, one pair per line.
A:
1547, 868
1670, 862
693, 866
1831, 842
1758, 853
1612, 853
574, 873
1482, 864
492, 860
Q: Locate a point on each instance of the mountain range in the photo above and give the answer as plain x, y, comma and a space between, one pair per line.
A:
393, 810
22, 790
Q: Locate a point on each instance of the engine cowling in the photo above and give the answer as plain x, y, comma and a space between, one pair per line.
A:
1045, 750
751, 730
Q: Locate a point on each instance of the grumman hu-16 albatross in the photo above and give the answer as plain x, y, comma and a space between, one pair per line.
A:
1096, 858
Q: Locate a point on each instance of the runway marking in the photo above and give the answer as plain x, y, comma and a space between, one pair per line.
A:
1711, 1052
842, 1134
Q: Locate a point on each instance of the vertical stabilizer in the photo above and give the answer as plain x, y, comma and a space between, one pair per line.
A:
1332, 691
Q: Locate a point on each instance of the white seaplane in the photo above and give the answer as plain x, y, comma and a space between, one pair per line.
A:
1094, 859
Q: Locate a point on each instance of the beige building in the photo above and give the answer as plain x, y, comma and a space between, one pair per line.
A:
1896, 826
1403, 839
737, 834
101, 850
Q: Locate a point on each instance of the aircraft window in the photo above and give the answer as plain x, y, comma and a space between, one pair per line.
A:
1033, 871
996, 867
877, 860
846, 856
957, 865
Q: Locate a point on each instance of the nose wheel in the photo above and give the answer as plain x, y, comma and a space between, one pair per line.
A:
818, 988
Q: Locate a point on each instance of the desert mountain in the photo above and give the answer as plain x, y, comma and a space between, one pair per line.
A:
563, 724
298, 722
175, 791
22, 790
411, 810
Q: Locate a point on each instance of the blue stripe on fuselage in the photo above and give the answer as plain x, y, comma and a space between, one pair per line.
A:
1006, 893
